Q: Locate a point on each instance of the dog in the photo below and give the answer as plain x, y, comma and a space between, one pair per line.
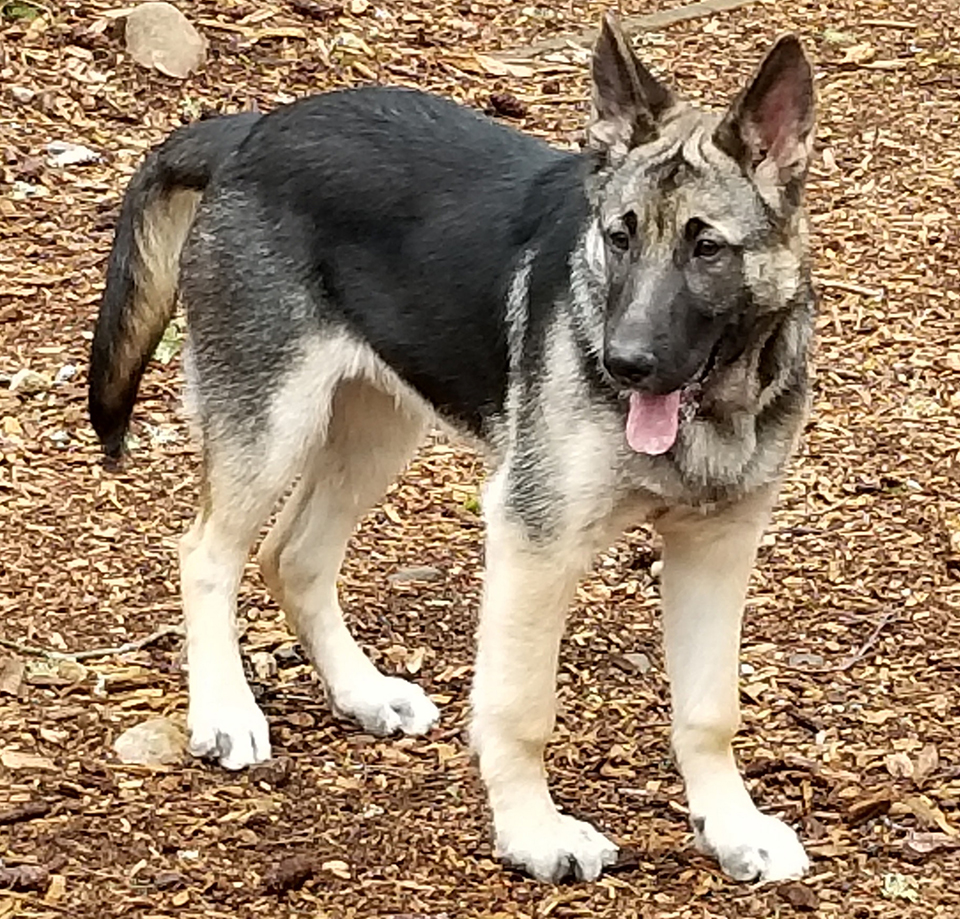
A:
624, 329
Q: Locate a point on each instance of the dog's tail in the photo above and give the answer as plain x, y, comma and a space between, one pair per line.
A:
144, 265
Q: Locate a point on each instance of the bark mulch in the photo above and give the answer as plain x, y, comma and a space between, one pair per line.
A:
852, 643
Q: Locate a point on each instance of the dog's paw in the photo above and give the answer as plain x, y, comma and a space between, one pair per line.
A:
385, 705
752, 846
234, 731
555, 848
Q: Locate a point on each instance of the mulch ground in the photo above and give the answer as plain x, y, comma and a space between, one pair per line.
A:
852, 642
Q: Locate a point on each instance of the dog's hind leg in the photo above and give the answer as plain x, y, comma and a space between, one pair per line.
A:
707, 561
371, 436
250, 457
529, 582
242, 482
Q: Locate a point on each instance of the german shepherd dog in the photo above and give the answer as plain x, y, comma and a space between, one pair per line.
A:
624, 329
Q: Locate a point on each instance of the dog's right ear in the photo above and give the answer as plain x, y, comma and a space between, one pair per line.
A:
627, 99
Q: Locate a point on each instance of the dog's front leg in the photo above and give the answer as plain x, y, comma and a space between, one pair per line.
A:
529, 582
707, 561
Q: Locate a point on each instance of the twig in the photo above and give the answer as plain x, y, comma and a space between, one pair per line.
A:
648, 23
875, 292
853, 659
126, 648
861, 652
889, 23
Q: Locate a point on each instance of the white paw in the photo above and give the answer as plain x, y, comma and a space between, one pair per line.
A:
751, 846
555, 847
231, 730
385, 705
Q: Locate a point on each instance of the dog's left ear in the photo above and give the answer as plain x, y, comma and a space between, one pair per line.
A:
627, 99
769, 128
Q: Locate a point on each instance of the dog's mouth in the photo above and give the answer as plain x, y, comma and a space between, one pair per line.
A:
653, 419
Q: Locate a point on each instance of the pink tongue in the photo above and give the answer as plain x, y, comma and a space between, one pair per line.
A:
652, 422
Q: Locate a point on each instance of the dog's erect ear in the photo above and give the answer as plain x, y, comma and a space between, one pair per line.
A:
769, 128
628, 100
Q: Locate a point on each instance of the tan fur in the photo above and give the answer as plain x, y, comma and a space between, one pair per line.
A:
160, 236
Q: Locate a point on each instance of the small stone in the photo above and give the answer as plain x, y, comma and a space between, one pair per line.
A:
165, 880
22, 94
157, 742
656, 568
289, 656
55, 672
337, 868
158, 35
805, 660
421, 573
634, 662
275, 773
23, 191
72, 671
264, 664
290, 873
66, 373
800, 897
28, 381
61, 153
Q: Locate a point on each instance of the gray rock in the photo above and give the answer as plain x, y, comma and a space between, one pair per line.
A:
22, 94
28, 381
264, 664
633, 662
61, 153
157, 742
66, 373
420, 573
158, 35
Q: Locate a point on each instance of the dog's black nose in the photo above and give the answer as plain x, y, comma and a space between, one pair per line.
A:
629, 365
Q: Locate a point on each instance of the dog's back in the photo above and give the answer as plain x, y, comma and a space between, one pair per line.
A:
371, 208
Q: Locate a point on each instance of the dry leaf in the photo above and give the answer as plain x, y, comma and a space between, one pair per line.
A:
494, 67
899, 765
11, 676
923, 843
55, 889
928, 760
415, 660
928, 813
859, 54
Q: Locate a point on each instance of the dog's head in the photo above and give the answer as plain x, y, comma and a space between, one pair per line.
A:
696, 236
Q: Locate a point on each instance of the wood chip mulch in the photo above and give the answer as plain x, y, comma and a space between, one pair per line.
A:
851, 656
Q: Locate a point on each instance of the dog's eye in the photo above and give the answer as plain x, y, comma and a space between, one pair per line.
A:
619, 240
707, 248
